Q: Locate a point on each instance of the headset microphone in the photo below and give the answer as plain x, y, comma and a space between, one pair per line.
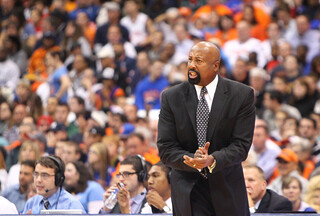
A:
47, 190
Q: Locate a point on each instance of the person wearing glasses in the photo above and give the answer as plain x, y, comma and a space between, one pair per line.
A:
132, 196
48, 179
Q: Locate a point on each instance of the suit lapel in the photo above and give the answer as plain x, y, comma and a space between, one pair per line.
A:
217, 108
191, 101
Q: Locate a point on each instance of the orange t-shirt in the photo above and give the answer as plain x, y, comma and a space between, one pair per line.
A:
207, 9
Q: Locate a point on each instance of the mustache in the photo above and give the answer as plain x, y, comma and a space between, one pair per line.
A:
193, 70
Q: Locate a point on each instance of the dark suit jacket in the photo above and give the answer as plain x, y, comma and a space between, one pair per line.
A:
274, 203
230, 131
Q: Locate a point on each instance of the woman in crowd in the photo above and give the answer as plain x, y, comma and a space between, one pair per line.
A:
292, 188
312, 196
29, 151
80, 183
5, 116
99, 163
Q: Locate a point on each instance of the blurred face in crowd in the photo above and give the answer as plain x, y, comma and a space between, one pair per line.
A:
71, 174
25, 176
93, 155
52, 105
135, 146
306, 129
24, 130
114, 34
260, 137
130, 111
243, 30
79, 63
75, 106
316, 197
273, 31
5, 112
302, 24
70, 154
280, 85
28, 153
61, 114
240, 70
286, 167
255, 184
131, 7
293, 191
143, 62
23, 93
156, 70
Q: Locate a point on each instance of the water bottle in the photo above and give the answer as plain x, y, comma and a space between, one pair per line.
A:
112, 199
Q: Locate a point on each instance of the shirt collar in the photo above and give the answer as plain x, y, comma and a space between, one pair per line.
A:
211, 88
54, 197
138, 198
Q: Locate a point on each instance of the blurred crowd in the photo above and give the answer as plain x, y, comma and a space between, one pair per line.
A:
82, 79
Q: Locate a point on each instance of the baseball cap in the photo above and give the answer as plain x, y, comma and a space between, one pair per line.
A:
49, 35
100, 117
106, 51
126, 129
55, 127
97, 130
113, 6
288, 155
108, 73
38, 136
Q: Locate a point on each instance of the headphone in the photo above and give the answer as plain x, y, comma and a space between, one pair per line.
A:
142, 174
59, 176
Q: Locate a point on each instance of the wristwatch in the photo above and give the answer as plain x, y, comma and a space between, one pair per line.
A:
212, 166
166, 209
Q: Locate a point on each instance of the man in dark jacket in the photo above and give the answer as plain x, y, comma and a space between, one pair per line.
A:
262, 200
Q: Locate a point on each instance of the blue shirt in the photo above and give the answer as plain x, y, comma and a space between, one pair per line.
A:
64, 201
93, 192
14, 195
148, 92
55, 82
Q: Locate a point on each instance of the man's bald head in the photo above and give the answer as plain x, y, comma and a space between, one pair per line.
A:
210, 48
203, 63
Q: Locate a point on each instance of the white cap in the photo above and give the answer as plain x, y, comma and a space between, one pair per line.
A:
100, 117
114, 6
108, 73
106, 52
259, 72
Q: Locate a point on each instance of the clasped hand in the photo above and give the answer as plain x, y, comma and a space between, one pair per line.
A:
201, 159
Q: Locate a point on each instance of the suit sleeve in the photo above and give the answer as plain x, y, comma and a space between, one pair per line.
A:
171, 151
241, 137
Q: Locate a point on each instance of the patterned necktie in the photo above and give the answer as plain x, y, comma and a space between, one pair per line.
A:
202, 118
46, 204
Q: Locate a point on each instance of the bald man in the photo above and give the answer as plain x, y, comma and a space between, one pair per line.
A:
205, 154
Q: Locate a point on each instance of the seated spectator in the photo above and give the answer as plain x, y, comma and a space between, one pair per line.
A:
18, 193
48, 179
261, 199
5, 116
287, 166
75, 35
159, 190
28, 151
80, 183
71, 152
303, 148
89, 28
99, 164
131, 197
313, 193
291, 189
